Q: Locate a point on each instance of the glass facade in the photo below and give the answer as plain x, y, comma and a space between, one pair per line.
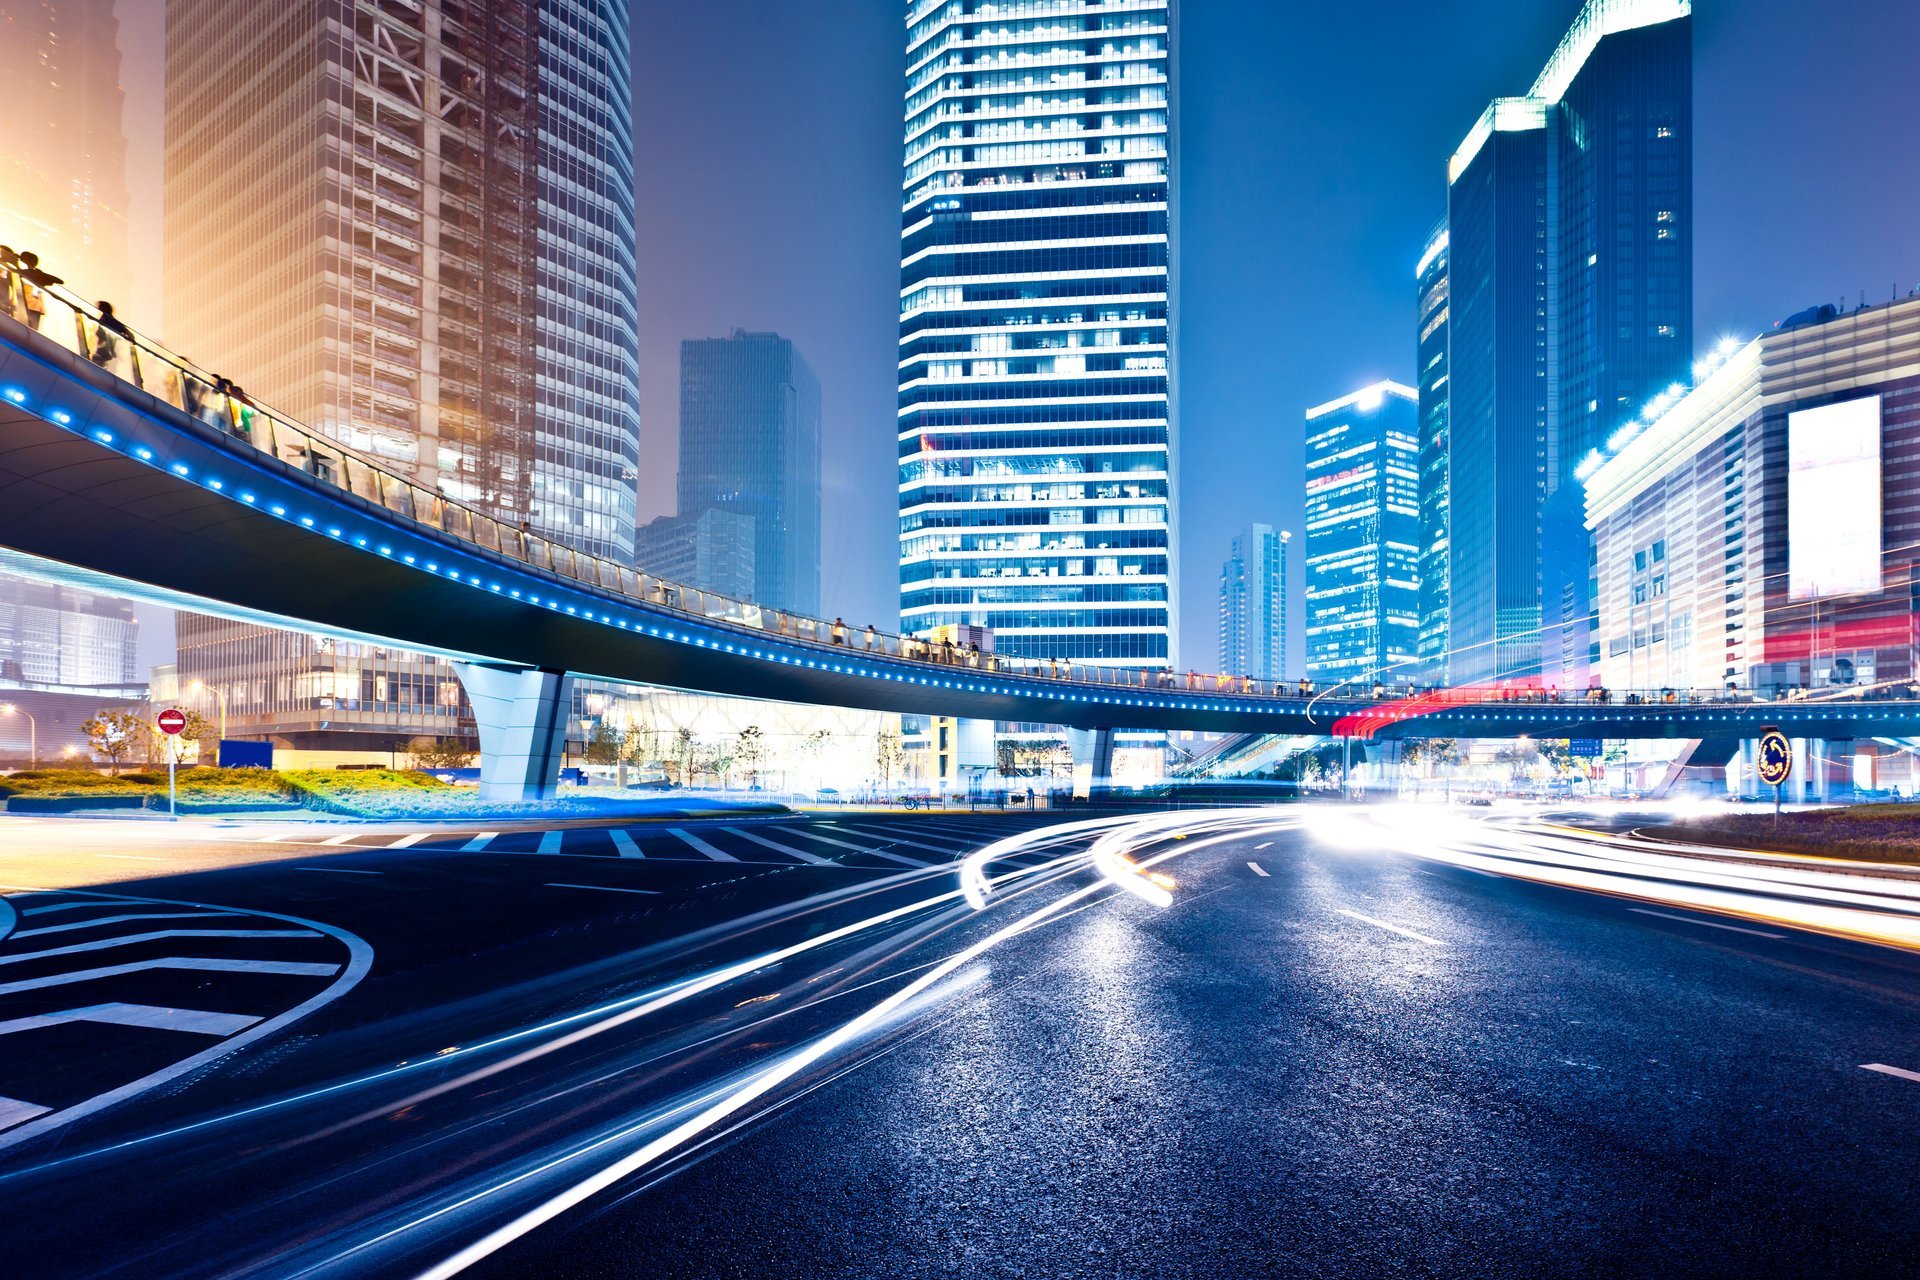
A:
410, 226
712, 551
1363, 537
750, 445
1433, 283
1570, 222
1036, 410
1253, 604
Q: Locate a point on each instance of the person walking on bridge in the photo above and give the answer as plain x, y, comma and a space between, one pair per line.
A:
33, 283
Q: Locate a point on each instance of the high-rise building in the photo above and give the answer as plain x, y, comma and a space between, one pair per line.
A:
750, 445
1253, 604
1433, 284
1363, 537
712, 551
63, 195
1036, 405
1570, 234
410, 227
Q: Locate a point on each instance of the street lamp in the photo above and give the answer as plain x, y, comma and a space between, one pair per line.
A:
33, 733
219, 694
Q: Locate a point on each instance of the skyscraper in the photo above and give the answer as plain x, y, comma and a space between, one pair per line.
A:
1433, 285
1253, 604
750, 445
410, 227
1363, 536
1571, 224
1036, 406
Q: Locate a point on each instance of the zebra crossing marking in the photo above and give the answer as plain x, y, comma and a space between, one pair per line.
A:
718, 855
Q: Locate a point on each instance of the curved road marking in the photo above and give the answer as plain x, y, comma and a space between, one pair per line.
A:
359, 961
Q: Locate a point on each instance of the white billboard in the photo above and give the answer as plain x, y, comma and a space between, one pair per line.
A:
1833, 500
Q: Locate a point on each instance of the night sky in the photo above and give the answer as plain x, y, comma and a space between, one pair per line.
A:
1314, 142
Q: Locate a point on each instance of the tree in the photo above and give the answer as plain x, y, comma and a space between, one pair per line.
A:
683, 748
888, 756
428, 754
751, 749
640, 744
603, 744
156, 747
113, 735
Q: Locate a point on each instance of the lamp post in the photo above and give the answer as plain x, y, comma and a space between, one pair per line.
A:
33, 733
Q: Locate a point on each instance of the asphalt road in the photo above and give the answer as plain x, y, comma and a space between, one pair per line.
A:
1336, 1054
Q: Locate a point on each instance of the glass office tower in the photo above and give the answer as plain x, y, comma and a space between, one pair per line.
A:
1363, 537
1036, 335
1432, 284
1253, 604
750, 445
411, 227
1570, 222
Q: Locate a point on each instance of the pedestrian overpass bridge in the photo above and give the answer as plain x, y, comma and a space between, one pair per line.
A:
123, 467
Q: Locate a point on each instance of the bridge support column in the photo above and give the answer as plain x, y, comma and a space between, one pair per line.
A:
522, 717
1382, 767
1796, 790
1833, 771
1092, 760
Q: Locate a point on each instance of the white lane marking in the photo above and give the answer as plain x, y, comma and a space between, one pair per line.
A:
1705, 924
1257, 869
153, 1017
137, 915
479, 842
407, 842
295, 969
550, 841
777, 847
892, 835
604, 888
342, 838
58, 906
339, 871
1268, 845
624, 843
718, 855
1881, 1067
359, 961
900, 858
130, 939
1382, 924
129, 857
13, 1111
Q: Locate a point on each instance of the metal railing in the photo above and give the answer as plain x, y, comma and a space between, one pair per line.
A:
57, 314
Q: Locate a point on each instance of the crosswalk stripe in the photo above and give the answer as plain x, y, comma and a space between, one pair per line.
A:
288, 967
407, 842
342, 838
718, 855
13, 1111
777, 847
900, 858
137, 915
479, 842
133, 939
624, 843
945, 851
550, 841
153, 1017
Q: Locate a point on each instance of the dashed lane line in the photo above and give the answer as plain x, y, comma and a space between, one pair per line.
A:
777, 847
153, 1017
1881, 1067
1382, 924
718, 855
290, 968
624, 843
1258, 869
1268, 845
479, 842
155, 935
603, 888
97, 921
1705, 924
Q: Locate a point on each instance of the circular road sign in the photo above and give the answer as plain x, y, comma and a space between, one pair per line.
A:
172, 721
1776, 757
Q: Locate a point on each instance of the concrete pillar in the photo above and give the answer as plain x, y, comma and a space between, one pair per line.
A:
1796, 791
522, 716
1092, 759
1834, 773
1382, 767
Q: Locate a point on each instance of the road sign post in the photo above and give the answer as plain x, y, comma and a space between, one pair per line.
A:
173, 723
1775, 763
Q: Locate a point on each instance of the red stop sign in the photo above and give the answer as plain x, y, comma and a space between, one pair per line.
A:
172, 721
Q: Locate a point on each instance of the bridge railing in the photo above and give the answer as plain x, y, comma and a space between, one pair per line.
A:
44, 305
